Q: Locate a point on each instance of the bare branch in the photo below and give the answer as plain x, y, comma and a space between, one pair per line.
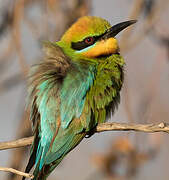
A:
16, 144
16, 172
149, 128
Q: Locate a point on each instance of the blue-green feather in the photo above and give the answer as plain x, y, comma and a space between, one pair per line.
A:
68, 104
73, 91
47, 107
68, 99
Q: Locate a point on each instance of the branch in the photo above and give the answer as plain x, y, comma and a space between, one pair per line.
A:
16, 144
16, 172
148, 128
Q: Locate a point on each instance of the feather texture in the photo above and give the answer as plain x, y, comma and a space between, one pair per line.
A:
68, 97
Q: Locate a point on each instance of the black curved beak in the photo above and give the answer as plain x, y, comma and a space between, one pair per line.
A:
114, 30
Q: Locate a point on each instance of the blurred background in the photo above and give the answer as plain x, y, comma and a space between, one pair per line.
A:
145, 98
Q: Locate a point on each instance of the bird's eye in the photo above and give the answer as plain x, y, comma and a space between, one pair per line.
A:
84, 43
89, 40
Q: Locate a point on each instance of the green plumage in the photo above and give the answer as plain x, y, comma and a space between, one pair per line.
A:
68, 97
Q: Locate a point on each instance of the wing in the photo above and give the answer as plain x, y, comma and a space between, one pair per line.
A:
57, 95
44, 83
43, 100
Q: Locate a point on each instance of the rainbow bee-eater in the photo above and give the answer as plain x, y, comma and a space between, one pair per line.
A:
75, 88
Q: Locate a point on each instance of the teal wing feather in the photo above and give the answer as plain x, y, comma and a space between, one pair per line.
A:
73, 92
57, 97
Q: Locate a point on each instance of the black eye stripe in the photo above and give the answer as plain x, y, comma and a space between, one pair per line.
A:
79, 45
82, 44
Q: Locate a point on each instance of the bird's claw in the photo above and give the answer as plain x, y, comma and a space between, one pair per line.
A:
90, 133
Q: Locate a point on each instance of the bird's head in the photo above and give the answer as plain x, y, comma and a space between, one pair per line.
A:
91, 37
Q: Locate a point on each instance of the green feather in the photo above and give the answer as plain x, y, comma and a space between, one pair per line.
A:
70, 94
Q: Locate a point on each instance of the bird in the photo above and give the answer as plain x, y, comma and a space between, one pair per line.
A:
73, 89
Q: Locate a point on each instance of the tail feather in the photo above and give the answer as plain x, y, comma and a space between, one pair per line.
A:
30, 164
32, 157
48, 168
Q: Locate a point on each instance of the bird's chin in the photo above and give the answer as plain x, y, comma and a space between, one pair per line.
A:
104, 56
107, 55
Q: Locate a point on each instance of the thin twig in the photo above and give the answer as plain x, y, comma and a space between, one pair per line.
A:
16, 172
149, 128
16, 144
